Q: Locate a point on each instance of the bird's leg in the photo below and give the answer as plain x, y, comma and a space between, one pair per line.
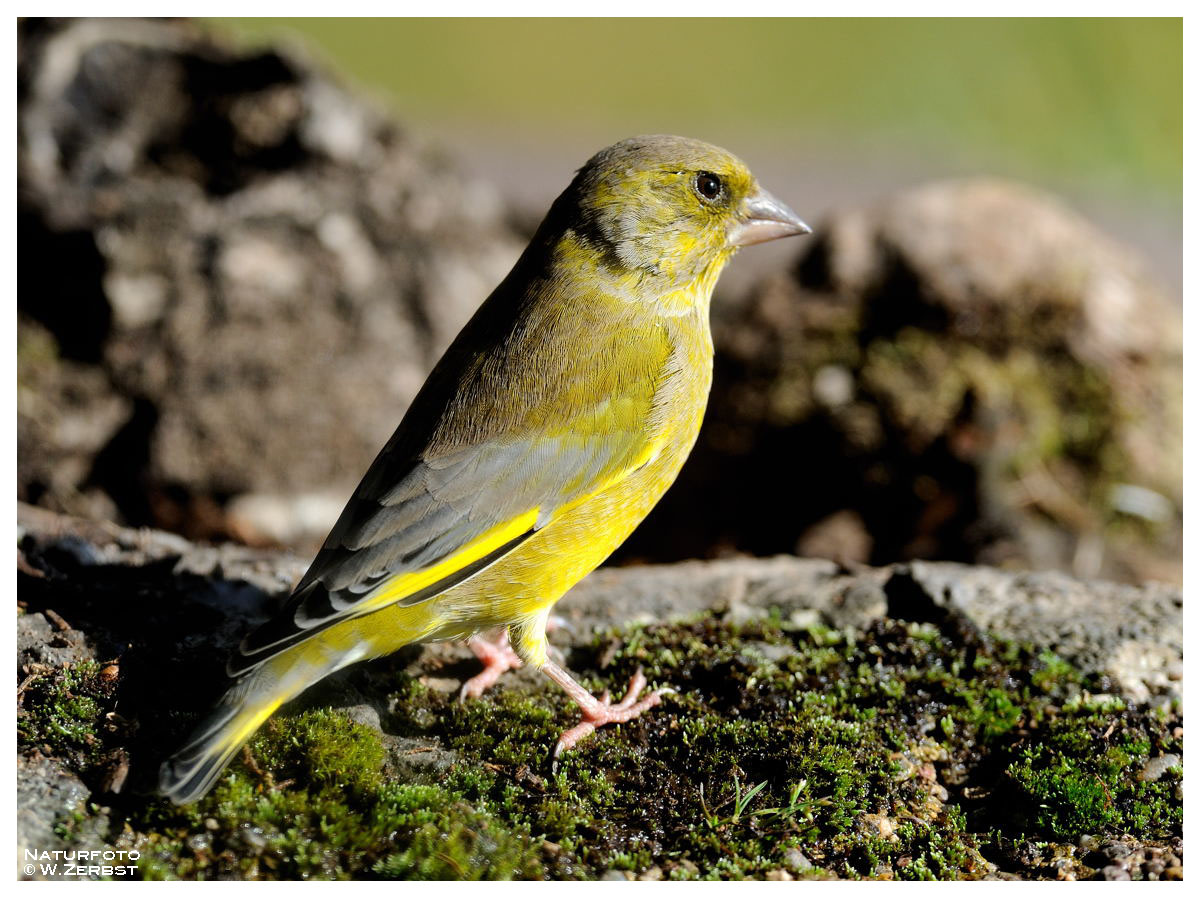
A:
598, 712
497, 657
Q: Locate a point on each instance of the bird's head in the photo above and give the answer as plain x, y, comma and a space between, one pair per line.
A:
670, 210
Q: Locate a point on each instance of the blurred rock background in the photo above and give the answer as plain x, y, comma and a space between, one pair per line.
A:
236, 269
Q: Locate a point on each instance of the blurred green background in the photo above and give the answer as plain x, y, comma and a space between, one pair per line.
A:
830, 113
1092, 99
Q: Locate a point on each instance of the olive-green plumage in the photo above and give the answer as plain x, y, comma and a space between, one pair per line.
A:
546, 433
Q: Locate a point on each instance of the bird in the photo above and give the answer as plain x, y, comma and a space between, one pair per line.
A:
550, 427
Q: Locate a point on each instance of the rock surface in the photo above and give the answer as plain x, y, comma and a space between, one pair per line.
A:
162, 613
235, 276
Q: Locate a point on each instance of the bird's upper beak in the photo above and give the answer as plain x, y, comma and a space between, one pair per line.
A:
761, 218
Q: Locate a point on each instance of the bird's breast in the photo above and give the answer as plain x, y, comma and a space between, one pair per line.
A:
669, 432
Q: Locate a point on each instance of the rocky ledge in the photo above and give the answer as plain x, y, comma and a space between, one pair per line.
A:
925, 720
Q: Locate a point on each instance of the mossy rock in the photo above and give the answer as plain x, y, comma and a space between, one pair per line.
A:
890, 753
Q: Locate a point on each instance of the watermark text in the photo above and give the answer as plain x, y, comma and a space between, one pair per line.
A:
72, 862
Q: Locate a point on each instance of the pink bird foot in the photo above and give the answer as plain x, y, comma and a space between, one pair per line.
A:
601, 711
497, 656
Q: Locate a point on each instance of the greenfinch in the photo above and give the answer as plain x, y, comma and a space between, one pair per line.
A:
548, 430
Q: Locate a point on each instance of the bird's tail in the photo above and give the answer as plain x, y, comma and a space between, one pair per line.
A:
189, 774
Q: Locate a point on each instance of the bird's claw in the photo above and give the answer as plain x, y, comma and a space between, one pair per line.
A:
605, 712
476, 686
497, 658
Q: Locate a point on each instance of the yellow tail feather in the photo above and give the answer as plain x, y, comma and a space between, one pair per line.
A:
191, 772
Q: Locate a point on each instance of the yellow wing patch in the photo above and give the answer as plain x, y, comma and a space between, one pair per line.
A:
403, 585
399, 587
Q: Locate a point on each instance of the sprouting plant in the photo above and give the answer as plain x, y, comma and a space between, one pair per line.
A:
795, 806
741, 800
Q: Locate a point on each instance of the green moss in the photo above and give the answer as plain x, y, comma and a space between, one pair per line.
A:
1083, 775
1059, 410
64, 710
752, 756
470, 847
324, 748
891, 753
1054, 676
308, 801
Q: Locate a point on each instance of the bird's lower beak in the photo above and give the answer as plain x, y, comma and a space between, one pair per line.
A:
762, 218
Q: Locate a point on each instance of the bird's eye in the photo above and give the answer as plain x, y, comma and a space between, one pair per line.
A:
708, 185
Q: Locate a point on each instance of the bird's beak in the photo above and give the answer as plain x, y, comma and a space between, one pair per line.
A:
762, 218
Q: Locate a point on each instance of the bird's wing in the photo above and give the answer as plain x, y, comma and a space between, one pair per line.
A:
444, 521
424, 521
